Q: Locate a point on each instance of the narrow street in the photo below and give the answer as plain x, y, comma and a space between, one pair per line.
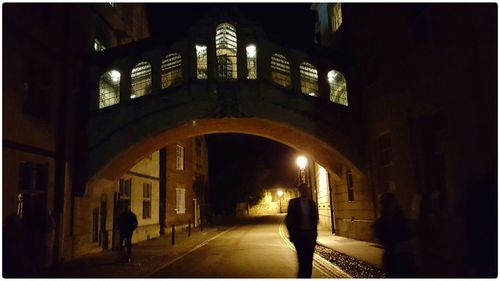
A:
256, 248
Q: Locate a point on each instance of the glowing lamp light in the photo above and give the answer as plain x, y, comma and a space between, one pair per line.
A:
331, 76
280, 193
115, 75
200, 49
133, 96
302, 162
251, 51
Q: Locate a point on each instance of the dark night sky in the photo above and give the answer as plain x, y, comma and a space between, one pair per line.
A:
284, 23
235, 159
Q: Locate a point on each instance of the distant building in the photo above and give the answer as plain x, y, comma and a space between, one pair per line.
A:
165, 188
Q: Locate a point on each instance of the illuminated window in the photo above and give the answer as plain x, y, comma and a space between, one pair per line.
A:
280, 70
336, 16
141, 80
226, 48
308, 79
252, 62
171, 70
338, 87
109, 88
179, 153
180, 199
146, 200
98, 46
201, 62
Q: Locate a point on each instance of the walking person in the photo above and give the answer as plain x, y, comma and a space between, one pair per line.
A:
393, 231
301, 222
127, 223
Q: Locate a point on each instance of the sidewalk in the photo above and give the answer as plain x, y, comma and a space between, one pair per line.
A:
368, 252
147, 257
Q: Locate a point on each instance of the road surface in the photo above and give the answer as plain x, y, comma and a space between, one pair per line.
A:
256, 248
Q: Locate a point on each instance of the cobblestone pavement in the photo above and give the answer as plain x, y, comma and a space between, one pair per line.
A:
352, 266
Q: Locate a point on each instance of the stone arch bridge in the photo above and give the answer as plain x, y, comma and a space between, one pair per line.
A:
117, 135
325, 130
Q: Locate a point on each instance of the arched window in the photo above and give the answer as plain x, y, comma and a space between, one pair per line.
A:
308, 79
251, 61
141, 80
171, 70
280, 70
226, 48
201, 62
338, 87
109, 88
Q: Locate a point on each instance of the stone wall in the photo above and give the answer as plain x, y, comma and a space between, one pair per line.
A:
265, 209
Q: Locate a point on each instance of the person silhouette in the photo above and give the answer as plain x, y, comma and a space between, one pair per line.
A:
127, 223
393, 232
301, 222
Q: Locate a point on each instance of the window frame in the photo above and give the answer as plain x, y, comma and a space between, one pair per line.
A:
308, 79
110, 81
337, 87
350, 186
201, 62
226, 49
179, 157
335, 17
125, 188
147, 189
142, 81
251, 69
180, 199
280, 70
171, 70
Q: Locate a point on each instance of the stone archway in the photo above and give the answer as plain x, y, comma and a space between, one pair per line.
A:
311, 146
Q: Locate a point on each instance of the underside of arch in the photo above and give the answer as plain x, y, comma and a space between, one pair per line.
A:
309, 145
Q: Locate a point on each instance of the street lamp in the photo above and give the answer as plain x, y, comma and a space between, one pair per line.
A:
302, 163
280, 194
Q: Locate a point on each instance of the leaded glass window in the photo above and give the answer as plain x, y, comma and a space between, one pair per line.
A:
98, 46
141, 80
338, 87
336, 16
171, 70
280, 70
308, 79
251, 62
201, 62
109, 88
226, 51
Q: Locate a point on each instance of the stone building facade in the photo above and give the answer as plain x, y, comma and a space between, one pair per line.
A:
42, 82
423, 75
164, 188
